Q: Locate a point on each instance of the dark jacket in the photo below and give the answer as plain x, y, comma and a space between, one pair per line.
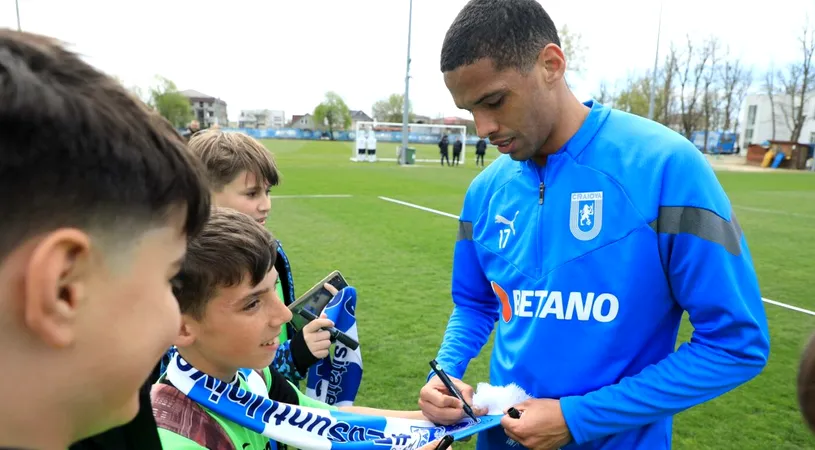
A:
457, 147
139, 434
444, 145
481, 147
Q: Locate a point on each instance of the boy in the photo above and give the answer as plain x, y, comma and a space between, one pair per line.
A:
241, 171
231, 319
99, 197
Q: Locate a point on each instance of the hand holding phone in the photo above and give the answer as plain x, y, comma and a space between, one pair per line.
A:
317, 298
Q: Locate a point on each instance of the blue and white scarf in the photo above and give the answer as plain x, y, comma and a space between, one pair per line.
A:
333, 380
336, 380
309, 428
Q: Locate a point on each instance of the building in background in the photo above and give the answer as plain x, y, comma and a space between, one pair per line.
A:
756, 120
262, 119
207, 110
302, 122
358, 116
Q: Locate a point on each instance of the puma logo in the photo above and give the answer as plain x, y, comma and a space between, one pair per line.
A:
510, 223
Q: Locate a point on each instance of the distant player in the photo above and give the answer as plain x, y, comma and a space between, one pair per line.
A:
444, 149
480, 151
361, 144
457, 146
371, 145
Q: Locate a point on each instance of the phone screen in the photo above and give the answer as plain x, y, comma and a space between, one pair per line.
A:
316, 299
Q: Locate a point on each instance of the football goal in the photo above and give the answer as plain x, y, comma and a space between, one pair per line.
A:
382, 141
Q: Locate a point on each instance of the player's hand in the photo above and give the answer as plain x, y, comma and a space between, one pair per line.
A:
540, 427
318, 340
440, 406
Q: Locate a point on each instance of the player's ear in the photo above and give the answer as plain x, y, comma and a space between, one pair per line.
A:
552, 63
188, 331
56, 283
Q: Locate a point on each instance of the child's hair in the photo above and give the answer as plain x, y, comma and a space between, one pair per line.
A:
226, 154
230, 247
77, 150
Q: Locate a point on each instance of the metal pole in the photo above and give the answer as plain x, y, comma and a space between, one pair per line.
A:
656, 61
17, 5
406, 105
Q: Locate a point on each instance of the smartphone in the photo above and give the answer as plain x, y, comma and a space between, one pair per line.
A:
316, 299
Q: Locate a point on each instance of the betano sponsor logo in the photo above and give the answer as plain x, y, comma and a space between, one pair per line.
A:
557, 305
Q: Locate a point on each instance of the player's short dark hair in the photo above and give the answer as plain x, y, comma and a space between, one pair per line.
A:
231, 247
509, 32
77, 150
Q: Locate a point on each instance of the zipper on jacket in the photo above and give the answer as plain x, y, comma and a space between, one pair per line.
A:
541, 189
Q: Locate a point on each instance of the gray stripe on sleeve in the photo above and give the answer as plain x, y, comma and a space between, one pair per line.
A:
465, 231
701, 223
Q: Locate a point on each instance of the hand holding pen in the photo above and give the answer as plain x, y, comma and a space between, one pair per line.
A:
444, 406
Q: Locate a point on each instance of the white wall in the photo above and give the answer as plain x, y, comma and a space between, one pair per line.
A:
760, 128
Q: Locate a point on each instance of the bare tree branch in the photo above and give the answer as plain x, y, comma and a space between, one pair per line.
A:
799, 84
769, 88
710, 97
669, 71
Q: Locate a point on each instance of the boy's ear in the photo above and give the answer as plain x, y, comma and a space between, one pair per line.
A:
187, 332
55, 285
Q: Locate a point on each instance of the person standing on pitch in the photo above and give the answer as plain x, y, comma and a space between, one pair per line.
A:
361, 143
480, 151
371, 145
444, 149
585, 242
457, 151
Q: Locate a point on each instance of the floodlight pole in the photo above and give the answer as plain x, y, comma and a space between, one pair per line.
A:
656, 61
17, 5
406, 100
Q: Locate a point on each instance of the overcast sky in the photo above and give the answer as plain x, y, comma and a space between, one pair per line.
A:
285, 55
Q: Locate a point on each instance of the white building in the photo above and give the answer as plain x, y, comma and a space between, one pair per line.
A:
756, 120
261, 118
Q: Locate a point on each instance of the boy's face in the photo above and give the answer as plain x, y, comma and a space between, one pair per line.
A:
135, 316
240, 328
100, 320
245, 194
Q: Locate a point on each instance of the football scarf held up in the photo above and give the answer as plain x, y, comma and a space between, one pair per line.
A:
309, 428
336, 380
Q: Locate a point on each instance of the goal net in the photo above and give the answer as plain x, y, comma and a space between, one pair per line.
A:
382, 141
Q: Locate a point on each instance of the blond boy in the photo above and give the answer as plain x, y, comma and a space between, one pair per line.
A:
241, 172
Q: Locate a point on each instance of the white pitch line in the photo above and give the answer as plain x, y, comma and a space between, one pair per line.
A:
411, 205
775, 211
453, 216
784, 305
312, 196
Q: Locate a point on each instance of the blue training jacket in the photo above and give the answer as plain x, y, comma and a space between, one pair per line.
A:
587, 265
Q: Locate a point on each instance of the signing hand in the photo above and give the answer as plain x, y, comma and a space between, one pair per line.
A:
540, 427
440, 406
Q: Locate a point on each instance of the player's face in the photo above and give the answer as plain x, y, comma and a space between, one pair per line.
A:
514, 110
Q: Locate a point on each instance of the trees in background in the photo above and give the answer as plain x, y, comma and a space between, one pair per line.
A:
700, 87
